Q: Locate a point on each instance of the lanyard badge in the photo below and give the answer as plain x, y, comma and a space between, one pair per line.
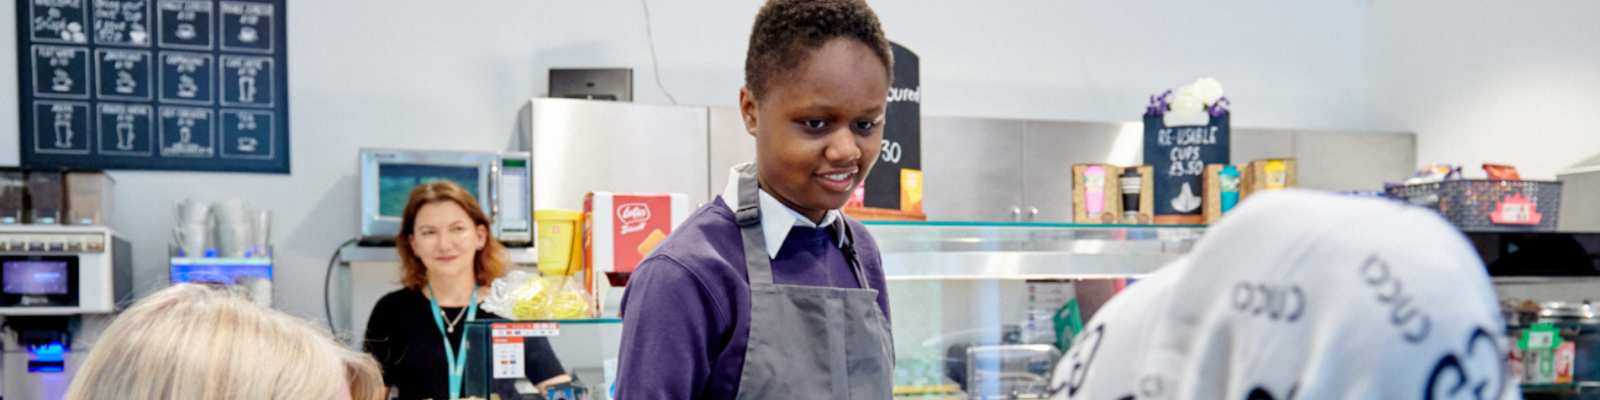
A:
456, 357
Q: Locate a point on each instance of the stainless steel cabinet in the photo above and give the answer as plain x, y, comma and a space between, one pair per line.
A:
1050, 148
582, 146
972, 169
1354, 160
996, 170
1255, 144
731, 145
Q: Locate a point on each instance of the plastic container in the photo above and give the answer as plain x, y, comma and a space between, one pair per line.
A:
559, 245
13, 195
46, 199
1228, 179
89, 198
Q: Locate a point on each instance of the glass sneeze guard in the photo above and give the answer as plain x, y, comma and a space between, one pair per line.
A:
976, 307
978, 250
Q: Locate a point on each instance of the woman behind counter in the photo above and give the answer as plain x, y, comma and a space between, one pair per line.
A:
447, 261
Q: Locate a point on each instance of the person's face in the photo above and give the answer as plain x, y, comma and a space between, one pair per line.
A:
445, 238
819, 129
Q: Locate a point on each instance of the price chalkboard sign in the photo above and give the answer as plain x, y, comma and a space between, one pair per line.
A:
196, 85
1179, 156
902, 137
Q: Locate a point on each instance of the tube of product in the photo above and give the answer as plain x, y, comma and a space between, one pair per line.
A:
1277, 174
1131, 183
1228, 180
1094, 182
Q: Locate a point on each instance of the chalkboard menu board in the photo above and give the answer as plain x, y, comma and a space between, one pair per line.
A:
195, 85
1179, 155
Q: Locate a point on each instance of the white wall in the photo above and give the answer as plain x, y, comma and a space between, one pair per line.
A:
1287, 64
428, 74
1488, 81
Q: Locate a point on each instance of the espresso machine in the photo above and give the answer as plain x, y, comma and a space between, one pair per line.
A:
59, 288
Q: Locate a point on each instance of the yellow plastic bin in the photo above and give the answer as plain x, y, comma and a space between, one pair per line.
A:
559, 251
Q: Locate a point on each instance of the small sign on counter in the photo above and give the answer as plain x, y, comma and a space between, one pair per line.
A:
1179, 155
508, 361
524, 329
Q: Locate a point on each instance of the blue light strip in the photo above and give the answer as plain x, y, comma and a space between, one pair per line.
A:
50, 357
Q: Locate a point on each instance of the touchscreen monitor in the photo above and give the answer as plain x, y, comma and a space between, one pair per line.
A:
28, 278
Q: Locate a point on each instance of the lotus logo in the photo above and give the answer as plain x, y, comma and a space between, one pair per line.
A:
633, 216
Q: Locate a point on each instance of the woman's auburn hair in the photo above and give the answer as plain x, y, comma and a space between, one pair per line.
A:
489, 262
200, 342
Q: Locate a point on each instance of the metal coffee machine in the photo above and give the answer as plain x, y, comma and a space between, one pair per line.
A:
59, 288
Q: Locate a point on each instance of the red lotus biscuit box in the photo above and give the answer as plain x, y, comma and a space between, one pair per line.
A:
620, 229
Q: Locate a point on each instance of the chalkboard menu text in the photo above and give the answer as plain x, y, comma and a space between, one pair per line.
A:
195, 85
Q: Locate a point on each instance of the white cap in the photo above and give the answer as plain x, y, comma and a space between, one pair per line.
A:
1303, 295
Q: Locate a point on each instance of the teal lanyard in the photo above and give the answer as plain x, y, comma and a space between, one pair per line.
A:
457, 358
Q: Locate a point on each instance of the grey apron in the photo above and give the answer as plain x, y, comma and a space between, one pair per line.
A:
810, 342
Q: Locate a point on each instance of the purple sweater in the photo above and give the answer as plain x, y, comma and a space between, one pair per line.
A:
686, 312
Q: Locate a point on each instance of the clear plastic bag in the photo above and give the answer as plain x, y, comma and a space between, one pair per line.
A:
525, 296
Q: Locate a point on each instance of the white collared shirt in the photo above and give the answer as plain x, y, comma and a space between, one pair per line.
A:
775, 226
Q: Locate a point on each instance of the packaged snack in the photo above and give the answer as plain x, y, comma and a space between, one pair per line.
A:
1502, 172
525, 296
1565, 354
620, 229
1435, 173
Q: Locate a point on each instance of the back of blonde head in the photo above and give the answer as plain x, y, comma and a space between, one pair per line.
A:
192, 342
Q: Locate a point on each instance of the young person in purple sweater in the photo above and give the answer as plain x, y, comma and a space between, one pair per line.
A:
769, 291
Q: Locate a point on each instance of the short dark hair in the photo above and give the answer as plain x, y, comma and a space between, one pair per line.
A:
787, 31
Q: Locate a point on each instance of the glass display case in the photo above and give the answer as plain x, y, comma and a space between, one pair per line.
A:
983, 310
1546, 282
974, 306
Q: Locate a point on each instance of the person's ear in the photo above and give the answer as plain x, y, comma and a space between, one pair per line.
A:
483, 236
747, 109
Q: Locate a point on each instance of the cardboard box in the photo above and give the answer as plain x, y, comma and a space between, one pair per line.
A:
620, 229
1110, 195
1255, 177
1147, 197
1565, 357
1212, 208
911, 190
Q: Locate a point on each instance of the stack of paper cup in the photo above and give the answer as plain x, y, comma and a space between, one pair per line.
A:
193, 220
261, 231
233, 228
236, 228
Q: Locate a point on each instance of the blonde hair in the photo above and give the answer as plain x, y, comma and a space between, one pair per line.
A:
194, 342
488, 263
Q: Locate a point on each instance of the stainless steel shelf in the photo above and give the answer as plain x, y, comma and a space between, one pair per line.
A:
1540, 280
966, 250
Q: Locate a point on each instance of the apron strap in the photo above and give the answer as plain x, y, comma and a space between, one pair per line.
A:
756, 260
847, 245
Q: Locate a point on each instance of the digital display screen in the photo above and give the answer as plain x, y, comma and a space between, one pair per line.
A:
514, 199
35, 277
395, 182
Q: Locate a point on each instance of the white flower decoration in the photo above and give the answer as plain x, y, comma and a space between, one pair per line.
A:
1184, 101
1208, 90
